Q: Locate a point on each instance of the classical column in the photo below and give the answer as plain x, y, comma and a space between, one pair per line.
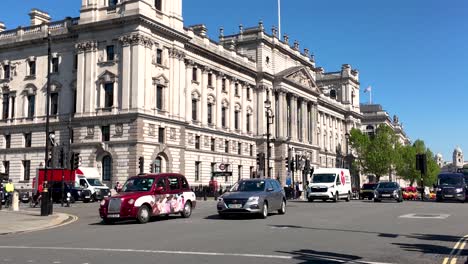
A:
283, 112
188, 92
260, 97
219, 99
86, 77
304, 121
230, 86
126, 78
204, 95
243, 113
180, 84
294, 117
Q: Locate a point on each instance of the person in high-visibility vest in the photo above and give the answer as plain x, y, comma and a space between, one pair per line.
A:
9, 189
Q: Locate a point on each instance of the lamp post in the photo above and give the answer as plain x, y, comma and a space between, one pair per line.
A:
46, 209
347, 150
269, 116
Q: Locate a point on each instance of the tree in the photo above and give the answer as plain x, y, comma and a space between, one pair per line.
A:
376, 153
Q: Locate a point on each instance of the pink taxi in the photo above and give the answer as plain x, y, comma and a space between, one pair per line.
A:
149, 195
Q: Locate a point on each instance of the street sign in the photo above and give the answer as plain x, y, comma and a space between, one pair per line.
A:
222, 166
222, 173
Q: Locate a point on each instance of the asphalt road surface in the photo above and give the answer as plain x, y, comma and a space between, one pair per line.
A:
354, 232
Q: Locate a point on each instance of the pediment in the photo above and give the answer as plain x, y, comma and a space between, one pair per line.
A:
299, 76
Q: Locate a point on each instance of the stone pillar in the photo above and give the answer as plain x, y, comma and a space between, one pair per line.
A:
304, 121
86, 86
126, 78
283, 114
188, 93
230, 87
204, 95
219, 100
260, 98
243, 113
294, 117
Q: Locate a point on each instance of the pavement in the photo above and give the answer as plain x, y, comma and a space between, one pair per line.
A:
24, 221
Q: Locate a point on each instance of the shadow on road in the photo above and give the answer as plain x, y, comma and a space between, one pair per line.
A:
232, 217
425, 248
312, 256
134, 221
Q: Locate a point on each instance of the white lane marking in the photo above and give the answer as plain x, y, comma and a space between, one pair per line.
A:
425, 216
57, 262
124, 250
445, 261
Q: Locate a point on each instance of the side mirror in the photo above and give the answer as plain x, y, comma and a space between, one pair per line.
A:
269, 189
159, 190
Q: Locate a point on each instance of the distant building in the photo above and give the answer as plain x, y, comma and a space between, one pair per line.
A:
458, 161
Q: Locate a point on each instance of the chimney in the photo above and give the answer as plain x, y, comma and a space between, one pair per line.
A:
2, 26
39, 17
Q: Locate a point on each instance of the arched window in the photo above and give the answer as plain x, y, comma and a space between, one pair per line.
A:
158, 5
107, 168
158, 165
333, 94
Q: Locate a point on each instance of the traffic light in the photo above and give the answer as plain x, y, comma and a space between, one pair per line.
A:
261, 161
293, 165
286, 160
421, 163
141, 162
75, 160
50, 156
61, 159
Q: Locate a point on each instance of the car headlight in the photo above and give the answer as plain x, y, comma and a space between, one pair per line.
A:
131, 201
439, 189
376, 193
103, 202
253, 199
459, 190
395, 192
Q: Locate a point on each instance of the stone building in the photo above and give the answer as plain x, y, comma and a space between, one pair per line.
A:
128, 80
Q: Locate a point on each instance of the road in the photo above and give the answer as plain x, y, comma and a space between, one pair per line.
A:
354, 232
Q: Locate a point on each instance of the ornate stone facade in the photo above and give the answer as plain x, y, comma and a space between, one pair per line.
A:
136, 83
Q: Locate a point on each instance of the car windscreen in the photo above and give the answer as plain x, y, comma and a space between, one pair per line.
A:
387, 185
95, 182
249, 186
138, 185
325, 177
369, 186
449, 179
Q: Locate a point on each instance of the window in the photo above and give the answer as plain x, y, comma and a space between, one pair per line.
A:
213, 166
27, 140
159, 97
236, 89
194, 109
213, 144
26, 170
236, 120
251, 150
210, 113
226, 146
105, 133
248, 93
6, 71
158, 5
248, 123
194, 74
251, 172
333, 94
74, 100
54, 103
55, 65
161, 183
113, 3
32, 68
158, 165
75, 62
197, 170
13, 107
7, 141
110, 53
159, 56
174, 183
31, 105
223, 85
108, 95
184, 183
107, 168
161, 133
239, 148
197, 142
6, 166
223, 116
210, 79
6, 106
239, 172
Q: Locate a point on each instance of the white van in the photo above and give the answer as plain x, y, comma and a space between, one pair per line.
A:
89, 178
330, 184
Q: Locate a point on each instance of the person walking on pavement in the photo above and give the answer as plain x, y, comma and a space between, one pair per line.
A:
9, 189
301, 189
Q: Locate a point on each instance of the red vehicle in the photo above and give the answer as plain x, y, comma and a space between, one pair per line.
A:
53, 175
150, 195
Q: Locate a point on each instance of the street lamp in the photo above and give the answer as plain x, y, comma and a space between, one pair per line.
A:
269, 116
347, 150
46, 204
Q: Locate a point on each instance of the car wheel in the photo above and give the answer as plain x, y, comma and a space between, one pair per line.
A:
108, 221
336, 198
376, 200
86, 201
324, 200
265, 210
187, 212
143, 214
282, 210
348, 198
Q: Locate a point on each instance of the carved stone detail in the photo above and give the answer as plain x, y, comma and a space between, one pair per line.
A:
176, 53
136, 39
152, 130
301, 78
90, 131
172, 133
119, 129
86, 46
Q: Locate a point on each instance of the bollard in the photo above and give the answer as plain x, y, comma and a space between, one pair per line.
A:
15, 201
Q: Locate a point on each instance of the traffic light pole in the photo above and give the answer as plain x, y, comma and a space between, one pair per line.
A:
45, 210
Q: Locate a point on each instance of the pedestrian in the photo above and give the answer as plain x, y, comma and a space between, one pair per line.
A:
301, 189
296, 194
9, 189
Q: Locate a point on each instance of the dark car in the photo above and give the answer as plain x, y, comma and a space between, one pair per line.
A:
367, 191
388, 191
451, 186
253, 196
77, 193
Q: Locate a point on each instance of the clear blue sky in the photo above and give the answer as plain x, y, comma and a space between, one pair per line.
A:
414, 54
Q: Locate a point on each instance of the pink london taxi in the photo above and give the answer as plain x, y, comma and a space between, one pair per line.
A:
149, 195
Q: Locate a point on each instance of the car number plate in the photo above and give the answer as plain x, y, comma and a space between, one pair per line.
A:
448, 195
235, 206
113, 216
87, 197
386, 195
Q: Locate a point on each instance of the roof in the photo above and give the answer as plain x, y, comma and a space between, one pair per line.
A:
89, 172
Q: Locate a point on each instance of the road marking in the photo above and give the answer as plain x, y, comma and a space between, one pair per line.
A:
456, 251
123, 250
425, 216
454, 261
445, 261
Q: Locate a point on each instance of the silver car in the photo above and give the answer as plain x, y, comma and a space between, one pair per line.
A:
253, 196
